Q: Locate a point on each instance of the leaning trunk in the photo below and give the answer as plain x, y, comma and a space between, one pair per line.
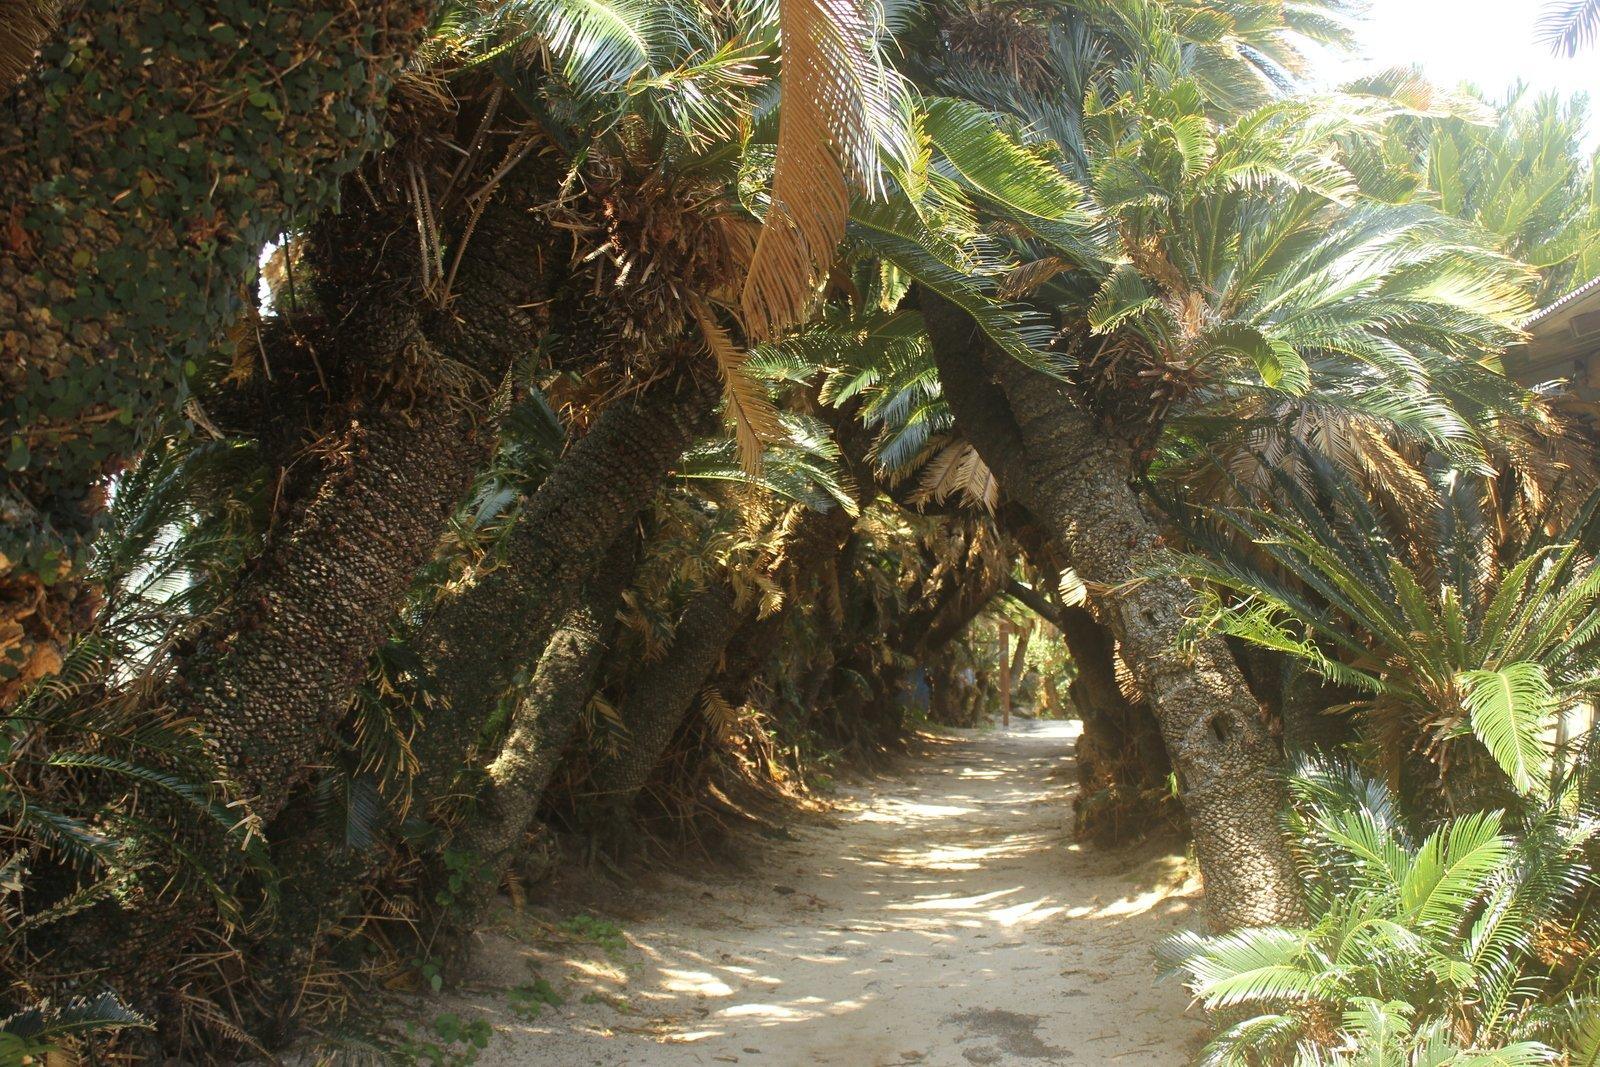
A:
475, 642
269, 678
544, 722
272, 678
1074, 478
660, 695
1122, 763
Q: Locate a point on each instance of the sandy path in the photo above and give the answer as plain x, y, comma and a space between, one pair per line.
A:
943, 919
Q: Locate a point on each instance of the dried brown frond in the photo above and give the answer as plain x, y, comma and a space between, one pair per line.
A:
644, 248
1024, 279
1129, 384
721, 717
755, 420
825, 143
958, 469
24, 25
1009, 38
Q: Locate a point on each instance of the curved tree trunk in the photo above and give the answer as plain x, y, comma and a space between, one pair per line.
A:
1122, 761
544, 721
273, 676
136, 194
475, 643
270, 677
660, 695
1074, 478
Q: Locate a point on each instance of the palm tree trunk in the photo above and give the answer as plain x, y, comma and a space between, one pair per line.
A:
269, 679
1074, 478
475, 643
660, 695
273, 676
136, 195
1122, 761
544, 722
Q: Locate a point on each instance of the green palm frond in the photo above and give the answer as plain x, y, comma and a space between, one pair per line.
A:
599, 45
980, 154
1266, 964
898, 237
1448, 872
1510, 709
1326, 578
1425, 951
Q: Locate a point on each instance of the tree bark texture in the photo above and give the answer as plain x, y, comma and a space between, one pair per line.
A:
546, 718
473, 645
272, 678
150, 155
475, 642
1075, 478
1122, 761
660, 695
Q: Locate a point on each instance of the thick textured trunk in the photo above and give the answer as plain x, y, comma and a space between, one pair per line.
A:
323, 597
544, 721
1122, 761
269, 679
660, 695
136, 194
475, 643
272, 678
1074, 479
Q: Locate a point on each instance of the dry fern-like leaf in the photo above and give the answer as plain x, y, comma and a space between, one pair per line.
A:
721, 716
754, 418
24, 25
830, 88
957, 468
1022, 280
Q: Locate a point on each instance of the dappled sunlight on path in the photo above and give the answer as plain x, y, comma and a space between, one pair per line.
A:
946, 918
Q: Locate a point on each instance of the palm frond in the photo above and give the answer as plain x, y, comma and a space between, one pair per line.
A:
1569, 26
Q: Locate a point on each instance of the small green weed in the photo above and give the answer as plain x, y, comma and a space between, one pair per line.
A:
608, 935
458, 1045
529, 998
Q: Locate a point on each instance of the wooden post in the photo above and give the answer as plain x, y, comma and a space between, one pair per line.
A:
1005, 672
1019, 658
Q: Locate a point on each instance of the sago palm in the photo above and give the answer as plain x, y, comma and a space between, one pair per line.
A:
1447, 633
1186, 257
1422, 949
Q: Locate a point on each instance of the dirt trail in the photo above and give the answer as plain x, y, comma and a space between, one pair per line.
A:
944, 918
